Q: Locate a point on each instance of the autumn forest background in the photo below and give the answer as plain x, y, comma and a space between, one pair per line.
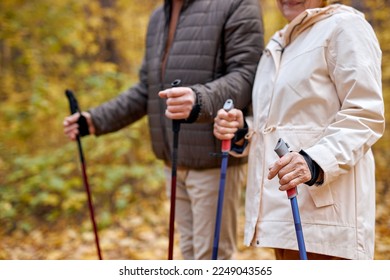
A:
95, 48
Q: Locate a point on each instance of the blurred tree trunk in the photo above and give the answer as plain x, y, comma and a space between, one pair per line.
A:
109, 46
358, 4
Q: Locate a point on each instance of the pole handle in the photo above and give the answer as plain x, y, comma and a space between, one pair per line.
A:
73, 105
226, 144
176, 123
281, 149
74, 108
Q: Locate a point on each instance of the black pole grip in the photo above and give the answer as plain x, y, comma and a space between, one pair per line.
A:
74, 108
176, 123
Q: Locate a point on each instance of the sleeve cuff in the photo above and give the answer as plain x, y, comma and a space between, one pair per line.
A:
315, 169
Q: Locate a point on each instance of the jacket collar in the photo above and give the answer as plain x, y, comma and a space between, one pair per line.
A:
167, 8
308, 18
168, 4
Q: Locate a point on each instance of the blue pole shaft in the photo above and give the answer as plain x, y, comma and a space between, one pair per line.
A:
281, 149
221, 195
225, 148
298, 228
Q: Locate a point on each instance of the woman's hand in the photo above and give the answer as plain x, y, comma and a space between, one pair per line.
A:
227, 123
291, 169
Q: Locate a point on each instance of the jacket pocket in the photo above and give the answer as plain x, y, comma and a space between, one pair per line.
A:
321, 195
302, 138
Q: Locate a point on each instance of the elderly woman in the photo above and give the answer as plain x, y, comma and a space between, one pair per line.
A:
318, 86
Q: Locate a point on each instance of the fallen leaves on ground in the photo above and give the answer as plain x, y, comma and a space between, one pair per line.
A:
133, 237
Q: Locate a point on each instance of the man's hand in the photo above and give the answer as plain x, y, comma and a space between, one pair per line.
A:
180, 101
71, 126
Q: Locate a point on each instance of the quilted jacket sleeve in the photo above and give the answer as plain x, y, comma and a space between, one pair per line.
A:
243, 44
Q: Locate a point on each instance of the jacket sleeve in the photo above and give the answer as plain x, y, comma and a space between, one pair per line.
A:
242, 45
123, 110
354, 63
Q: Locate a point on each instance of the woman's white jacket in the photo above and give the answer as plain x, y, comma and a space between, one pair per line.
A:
318, 86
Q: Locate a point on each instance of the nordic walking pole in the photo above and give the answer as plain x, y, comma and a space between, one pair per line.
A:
74, 107
175, 129
281, 149
225, 148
